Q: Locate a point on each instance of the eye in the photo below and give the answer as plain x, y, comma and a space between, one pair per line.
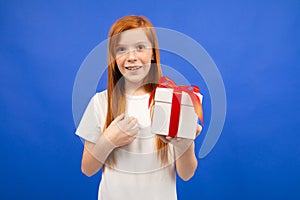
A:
140, 47
121, 49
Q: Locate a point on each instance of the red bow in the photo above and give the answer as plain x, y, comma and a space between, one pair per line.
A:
165, 82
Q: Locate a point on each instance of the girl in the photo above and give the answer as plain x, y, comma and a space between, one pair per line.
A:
116, 123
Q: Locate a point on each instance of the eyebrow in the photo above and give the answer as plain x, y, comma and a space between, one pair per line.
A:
139, 42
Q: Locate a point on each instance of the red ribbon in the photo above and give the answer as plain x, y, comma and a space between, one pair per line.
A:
165, 82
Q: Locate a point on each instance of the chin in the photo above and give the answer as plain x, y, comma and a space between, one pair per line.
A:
135, 79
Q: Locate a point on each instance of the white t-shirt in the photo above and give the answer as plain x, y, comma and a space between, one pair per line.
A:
138, 173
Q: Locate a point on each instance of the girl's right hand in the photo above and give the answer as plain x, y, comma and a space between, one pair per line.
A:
122, 130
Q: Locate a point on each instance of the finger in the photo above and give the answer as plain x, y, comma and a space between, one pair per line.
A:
173, 141
163, 138
127, 119
134, 131
169, 138
182, 142
130, 128
123, 124
118, 118
199, 129
132, 124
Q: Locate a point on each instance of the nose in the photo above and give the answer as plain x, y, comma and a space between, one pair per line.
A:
131, 56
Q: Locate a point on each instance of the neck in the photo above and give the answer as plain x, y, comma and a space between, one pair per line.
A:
134, 89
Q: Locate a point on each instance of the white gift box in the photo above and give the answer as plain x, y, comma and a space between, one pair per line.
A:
162, 110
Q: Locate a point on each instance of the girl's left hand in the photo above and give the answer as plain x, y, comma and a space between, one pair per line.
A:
181, 145
177, 140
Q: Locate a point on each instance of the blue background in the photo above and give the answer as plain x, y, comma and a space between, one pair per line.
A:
255, 45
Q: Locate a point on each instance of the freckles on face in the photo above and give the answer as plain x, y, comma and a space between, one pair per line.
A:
133, 55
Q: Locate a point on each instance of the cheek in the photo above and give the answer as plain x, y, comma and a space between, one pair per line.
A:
119, 62
147, 58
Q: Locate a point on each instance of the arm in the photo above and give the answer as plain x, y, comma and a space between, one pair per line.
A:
185, 158
89, 164
94, 155
186, 162
120, 132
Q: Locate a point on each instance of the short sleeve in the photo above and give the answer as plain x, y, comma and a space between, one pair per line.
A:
93, 119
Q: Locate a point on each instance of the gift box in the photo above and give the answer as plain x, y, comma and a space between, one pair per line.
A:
175, 109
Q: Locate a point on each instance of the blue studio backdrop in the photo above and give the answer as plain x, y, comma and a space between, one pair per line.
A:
255, 45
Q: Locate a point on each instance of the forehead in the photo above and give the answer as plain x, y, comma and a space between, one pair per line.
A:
133, 36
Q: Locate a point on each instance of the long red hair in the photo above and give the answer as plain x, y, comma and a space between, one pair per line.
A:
115, 87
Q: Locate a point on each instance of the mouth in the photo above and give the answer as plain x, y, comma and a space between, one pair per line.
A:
132, 68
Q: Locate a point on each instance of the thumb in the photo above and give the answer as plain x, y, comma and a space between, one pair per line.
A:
118, 118
199, 129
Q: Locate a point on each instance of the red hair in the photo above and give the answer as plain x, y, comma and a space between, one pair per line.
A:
115, 87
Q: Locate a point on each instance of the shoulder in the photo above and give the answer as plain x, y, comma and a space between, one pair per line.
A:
100, 97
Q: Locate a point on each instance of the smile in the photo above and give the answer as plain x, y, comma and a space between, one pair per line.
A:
133, 67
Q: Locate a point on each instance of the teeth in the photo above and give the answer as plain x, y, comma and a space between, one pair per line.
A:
133, 68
